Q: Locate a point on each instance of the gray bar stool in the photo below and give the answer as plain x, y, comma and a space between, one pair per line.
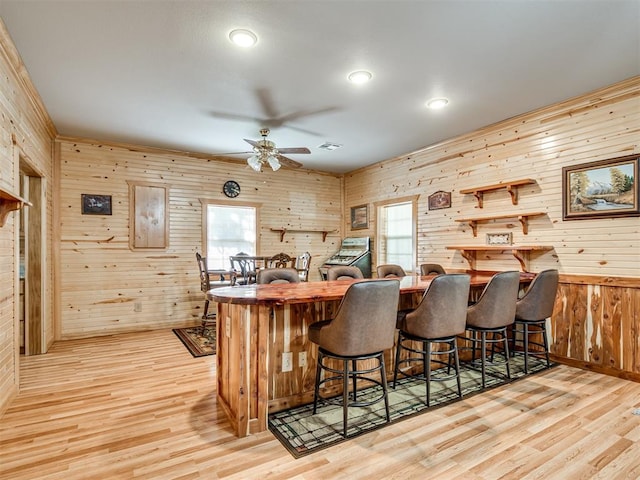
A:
362, 329
277, 275
438, 319
532, 310
390, 270
431, 269
344, 272
493, 312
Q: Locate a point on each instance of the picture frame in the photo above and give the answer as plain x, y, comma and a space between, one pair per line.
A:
95, 204
439, 199
359, 217
602, 189
500, 238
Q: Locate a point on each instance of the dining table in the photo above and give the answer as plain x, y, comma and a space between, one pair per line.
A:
264, 360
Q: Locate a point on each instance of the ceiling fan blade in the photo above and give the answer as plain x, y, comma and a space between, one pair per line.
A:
294, 150
305, 113
287, 162
233, 116
266, 102
253, 143
234, 153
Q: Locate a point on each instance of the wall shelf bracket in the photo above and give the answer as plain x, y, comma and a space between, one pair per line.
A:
8, 203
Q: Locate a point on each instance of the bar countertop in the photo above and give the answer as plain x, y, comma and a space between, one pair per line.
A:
288, 293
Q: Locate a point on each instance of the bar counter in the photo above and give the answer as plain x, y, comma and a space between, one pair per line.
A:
257, 324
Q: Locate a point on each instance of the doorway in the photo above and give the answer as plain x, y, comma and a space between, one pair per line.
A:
31, 261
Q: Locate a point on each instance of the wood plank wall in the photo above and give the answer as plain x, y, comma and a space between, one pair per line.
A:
597, 325
102, 279
26, 134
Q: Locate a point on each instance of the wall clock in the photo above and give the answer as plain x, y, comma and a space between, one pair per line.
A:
231, 189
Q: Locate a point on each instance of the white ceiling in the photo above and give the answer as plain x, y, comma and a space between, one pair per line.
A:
164, 74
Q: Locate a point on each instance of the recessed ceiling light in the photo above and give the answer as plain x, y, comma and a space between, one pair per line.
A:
361, 76
436, 103
243, 38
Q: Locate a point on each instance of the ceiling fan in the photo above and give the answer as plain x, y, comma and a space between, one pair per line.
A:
265, 151
272, 118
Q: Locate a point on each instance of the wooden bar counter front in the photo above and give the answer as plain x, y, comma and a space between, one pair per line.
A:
265, 362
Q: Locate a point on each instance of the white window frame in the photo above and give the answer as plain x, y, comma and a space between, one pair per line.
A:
206, 203
381, 233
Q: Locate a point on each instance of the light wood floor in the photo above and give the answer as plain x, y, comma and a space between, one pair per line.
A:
139, 406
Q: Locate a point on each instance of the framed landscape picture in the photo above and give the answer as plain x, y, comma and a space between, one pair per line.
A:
604, 189
359, 217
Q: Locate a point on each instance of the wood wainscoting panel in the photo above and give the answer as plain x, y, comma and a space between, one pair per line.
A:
596, 323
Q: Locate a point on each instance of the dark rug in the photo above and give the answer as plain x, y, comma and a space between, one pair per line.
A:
197, 343
303, 433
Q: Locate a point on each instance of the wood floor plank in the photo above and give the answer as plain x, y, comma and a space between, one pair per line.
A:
140, 406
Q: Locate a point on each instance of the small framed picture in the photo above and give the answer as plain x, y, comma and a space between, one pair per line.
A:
96, 204
439, 200
499, 238
359, 217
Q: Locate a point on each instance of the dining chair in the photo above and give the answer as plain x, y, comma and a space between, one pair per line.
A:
344, 272
277, 275
245, 267
390, 270
431, 269
302, 264
361, 330
492, 314
436, 321
532, 311
206, 283
280, 260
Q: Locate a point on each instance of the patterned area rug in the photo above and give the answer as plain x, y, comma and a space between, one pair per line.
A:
303, 433
197, 343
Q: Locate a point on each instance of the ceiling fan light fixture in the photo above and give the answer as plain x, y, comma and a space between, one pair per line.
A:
255, 163
243, 38
273, 163
437, 103
360, 77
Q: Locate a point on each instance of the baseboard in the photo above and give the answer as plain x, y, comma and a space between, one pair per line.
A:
613, 372
8, 398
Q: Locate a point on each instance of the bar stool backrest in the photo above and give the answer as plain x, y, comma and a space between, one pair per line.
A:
278, 275
538, 300
344, 272
390, 270
365, 320
442, 311
496, 306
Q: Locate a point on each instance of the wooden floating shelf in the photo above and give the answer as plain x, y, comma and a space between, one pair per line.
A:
283, 231
8, 203
523, 218
520, 252
511, 187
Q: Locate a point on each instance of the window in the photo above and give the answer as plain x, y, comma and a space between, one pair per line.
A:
396, 234
229, 230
